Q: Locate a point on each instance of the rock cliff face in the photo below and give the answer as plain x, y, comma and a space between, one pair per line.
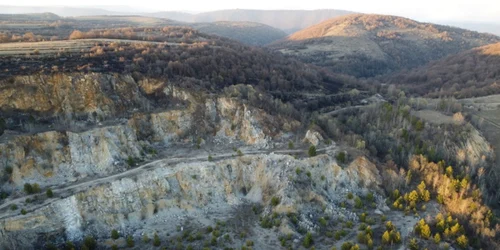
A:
174, 194
97, 149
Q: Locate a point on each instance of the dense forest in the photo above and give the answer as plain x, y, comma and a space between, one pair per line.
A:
468, 74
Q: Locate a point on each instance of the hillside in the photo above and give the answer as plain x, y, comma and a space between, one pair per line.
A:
468, 74
246, 32
367, 45
48, 26
287, 20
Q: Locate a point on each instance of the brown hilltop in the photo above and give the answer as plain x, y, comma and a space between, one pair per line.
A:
365, 45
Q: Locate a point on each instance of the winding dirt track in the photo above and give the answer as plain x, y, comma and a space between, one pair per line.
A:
79, 187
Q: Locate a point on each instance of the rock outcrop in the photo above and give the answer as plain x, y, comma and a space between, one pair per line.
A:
133, 205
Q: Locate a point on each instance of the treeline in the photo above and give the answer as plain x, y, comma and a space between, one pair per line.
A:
206, 62
147, 34
7, 37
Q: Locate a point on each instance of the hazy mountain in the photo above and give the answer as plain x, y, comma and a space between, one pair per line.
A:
367, 45
287, 20
493, 28
58, 10
246, 32
471, 73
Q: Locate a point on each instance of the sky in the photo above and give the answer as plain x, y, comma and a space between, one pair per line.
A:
425, 10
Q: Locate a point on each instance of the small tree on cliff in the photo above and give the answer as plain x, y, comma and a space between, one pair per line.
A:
114, 234
312, 151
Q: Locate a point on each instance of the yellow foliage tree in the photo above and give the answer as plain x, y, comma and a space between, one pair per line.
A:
462, 241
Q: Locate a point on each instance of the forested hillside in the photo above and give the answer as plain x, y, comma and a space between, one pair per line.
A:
365, 45
469, 74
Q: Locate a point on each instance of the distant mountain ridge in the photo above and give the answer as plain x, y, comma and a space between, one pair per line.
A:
249, 33
287, 20
366, 45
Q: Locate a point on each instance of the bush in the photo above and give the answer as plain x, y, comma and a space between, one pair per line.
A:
437, 238
290, 145
275, 201
130, 241
23, 212
49, 193
8, 170
308, 240
350, 196
323, 222
90, 242
249, 243
28, 188
156, 240
413, 244
210, 158
462, 241
341, 157
131, 161
358, 203
13, 207
347, 245
69, 245
312, 151
114, 234
146, 239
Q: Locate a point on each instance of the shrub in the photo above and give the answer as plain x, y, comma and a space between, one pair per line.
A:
145, 239
275, 201
114, 234
114, 247
130, 241
298, 171
462, 241
350, 196
312, 151
156, 240
49, 193
13, 207
308, 240
413, 244
437, 238
347, 245
386, 238
131, 161
23, 212
369, 197
358, 203
249, 243
341, 157
239, 153
323, 222
28, 188
290, 145
90, 242
8, 170
69, 245
210, 158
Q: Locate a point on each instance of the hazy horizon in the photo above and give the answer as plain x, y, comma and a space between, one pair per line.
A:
426, 10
